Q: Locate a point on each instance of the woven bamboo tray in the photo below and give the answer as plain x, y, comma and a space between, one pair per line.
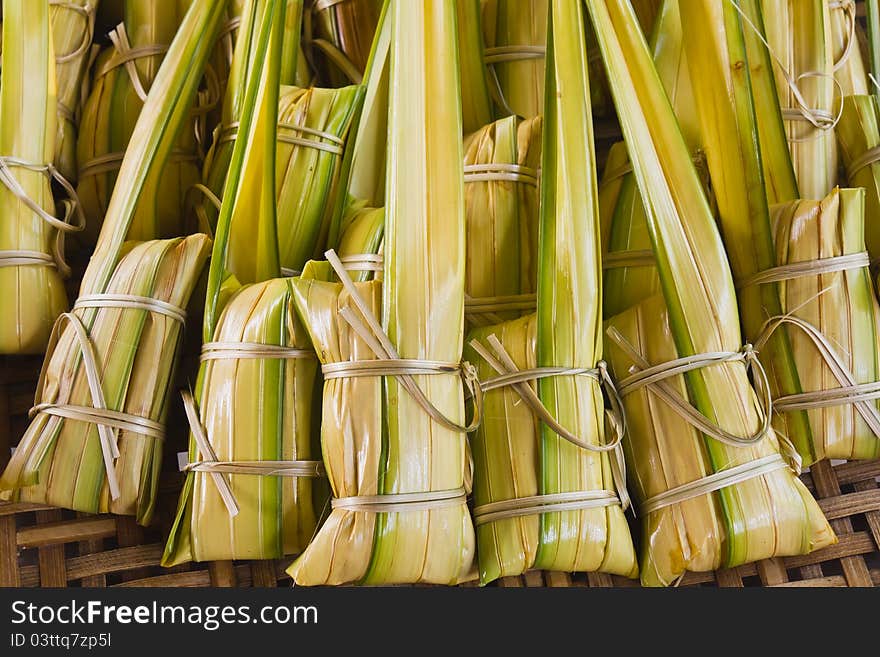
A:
44, 546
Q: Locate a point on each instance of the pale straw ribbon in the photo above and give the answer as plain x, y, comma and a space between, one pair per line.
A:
87, 11
125, 56
850, 391
635, 258
820, 119
389, 363
510, 376
807, 268
107, 421
501, 54
354, 262
62, 225
538, 504
230, 132
209, 462
402, 502
500, 172
714, 482
643, 374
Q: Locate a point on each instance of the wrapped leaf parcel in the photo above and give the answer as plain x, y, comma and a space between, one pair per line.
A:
764, 508
95, 441
248, 489
548, 482
393, 434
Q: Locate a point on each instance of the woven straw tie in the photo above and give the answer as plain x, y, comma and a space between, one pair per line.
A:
850, 391
209, 462
510, 376
821, 119
643, 374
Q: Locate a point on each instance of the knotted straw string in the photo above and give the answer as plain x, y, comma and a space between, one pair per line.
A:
849, 392
820, 119
249, 350
389, 363
363, 261
107, 421
849, 12
807, 268
62, 226
538, 504
500, 172
511, 376
397, 502
714, 482
230, 132
210, 464
643, 374
635, 258
125, 56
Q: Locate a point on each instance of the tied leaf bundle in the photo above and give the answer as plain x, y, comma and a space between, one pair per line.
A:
501, 164
124, 74
313, 126
768, 512
833, 319
73, 26
399, 513
248, 491
60, 460
95, 441
31, 236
